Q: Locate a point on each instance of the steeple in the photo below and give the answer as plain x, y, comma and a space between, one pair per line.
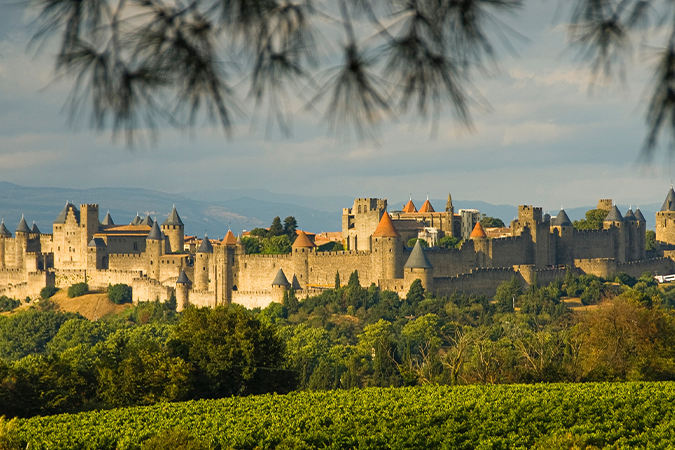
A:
280, 279
639, 216
34, 229
448, 206
303, 241
229, 238
561, 219
147, 221
409, 207
137, 220
107, 220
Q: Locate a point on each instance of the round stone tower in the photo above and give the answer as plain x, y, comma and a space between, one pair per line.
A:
21, 240
204, 254
4, 233
615, 220
387, 253
480, 245
154, 245
564, 253
183, 285
174, 229
302, 248
280, 285
419, 267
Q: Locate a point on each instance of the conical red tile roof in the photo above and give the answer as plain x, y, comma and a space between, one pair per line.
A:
229, 238
426, 207
386, 227
409, 207
302, 240
478, 231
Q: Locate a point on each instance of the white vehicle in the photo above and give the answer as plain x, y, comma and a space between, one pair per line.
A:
665, 278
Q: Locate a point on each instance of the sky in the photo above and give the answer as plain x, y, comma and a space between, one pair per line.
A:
544, 140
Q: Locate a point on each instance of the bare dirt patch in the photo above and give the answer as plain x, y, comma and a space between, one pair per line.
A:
92, 306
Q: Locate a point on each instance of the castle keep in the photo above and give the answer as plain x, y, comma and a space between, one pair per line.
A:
155, 260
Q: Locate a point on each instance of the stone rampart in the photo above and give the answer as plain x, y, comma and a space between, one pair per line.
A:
256, 272
127, 261
64, 278
507, 251
661, 266
450, 262
592, 244
479, 281
202, 298
146, 289
253, 299
324, 265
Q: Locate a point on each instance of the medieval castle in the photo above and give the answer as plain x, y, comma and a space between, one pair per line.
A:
155, 260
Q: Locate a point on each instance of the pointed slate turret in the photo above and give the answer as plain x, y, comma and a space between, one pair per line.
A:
418, 259
478, 232
35, 229
107, 220
137, 220
280, 279
229, 238
614, 215
174, 218
561, 219
409, 207
4, 231
669, 203
386, 227
64, 212
206, 246
639, 216
147, 221
303, 241
155, 234
183, 278
23, 226
630, 216
426, 207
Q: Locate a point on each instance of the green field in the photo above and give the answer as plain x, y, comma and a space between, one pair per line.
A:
603, 415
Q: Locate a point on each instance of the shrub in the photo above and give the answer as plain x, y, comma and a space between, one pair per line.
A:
78, 289
8, 304
174, 439
48, 291
120, 293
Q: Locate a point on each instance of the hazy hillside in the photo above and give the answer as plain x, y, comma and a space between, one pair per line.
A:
216, 211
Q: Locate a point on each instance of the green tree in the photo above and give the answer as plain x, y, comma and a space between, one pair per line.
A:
79, 331
78, 290
120, 293
337, 280
29, 332
650, 240
48, 291
276, 229
593, 220
232, 352
290, 226
259, 232
290, 301
415, 293
145, 377
449, 242
423, 243
354, 280
251, 244
491, 222
507, 294
174, 439
378, 342
277, 245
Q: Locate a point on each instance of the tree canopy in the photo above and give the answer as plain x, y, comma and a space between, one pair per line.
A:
143, 64
593, 220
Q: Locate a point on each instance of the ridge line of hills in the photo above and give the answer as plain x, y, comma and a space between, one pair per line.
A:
218, 210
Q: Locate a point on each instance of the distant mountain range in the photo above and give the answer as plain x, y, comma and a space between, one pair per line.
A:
215, 211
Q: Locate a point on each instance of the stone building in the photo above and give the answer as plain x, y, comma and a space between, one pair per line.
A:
158, 262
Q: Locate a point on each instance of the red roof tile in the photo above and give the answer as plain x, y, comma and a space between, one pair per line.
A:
386, 227
478, 231
426, 207
409, 207
229, 239
302, 241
